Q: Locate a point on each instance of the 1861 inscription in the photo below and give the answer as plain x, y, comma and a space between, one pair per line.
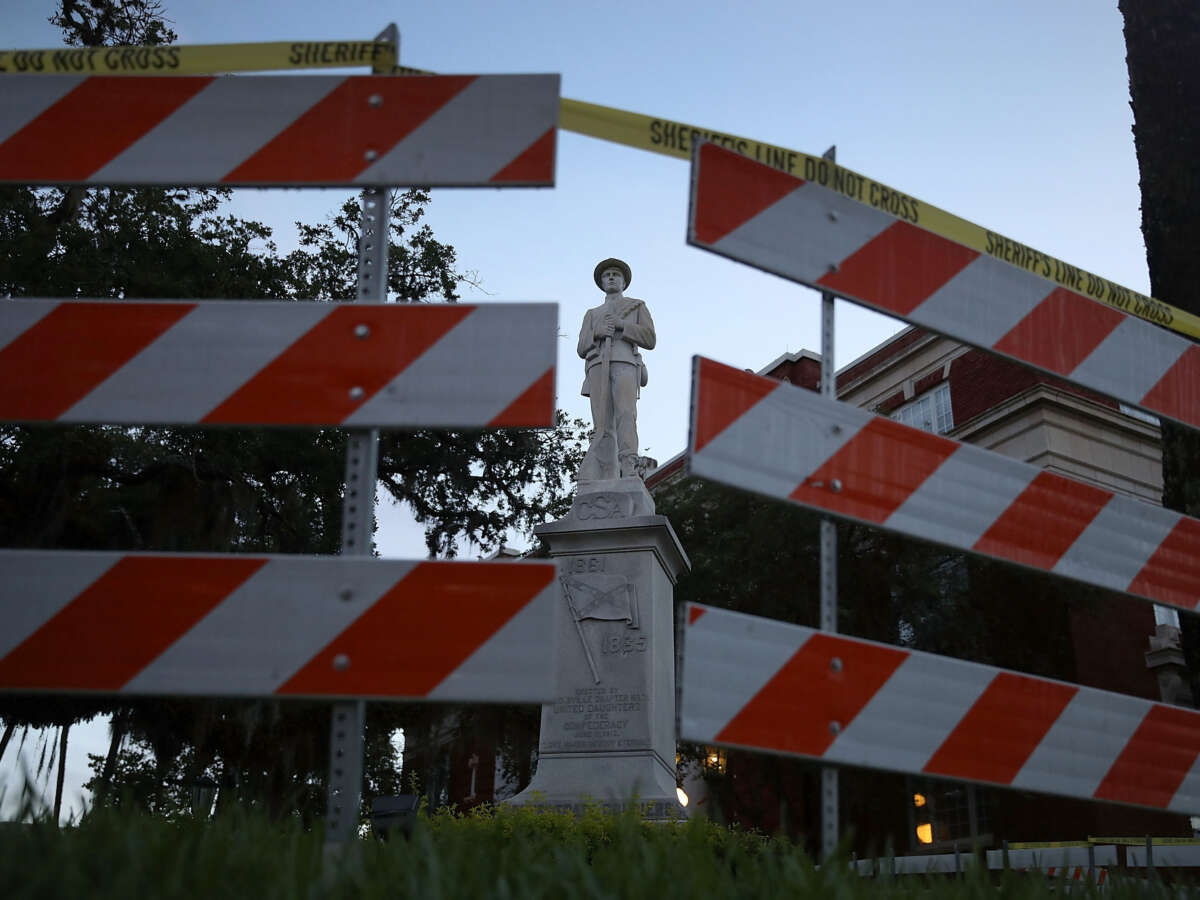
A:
579, 564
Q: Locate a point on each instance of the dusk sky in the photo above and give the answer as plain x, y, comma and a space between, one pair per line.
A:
1014, 116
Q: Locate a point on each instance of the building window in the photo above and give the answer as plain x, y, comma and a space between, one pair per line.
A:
1166, 615
930, 411
714, 759
942, 814
1141, 415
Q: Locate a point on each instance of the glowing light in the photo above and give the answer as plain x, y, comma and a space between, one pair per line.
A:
713, 759
925, 833
683, 798
918, 800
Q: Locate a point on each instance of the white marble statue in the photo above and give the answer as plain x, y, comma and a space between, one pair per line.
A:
614, 373
608, 735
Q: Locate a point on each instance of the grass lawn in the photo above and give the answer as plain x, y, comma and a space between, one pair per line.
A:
504, 853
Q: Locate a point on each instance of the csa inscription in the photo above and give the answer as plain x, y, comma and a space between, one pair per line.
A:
604, 506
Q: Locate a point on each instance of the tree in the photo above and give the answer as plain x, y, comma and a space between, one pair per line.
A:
96, 22
239, 490
1162, 41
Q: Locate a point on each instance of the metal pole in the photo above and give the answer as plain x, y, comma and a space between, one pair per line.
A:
829, 774
358, 518
973, 816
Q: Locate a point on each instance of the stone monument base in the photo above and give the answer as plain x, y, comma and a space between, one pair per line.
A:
609, 736
571, 782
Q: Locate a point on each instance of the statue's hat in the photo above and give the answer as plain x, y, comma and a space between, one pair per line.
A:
612, 263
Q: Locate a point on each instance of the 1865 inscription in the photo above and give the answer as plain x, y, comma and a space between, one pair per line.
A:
616, 645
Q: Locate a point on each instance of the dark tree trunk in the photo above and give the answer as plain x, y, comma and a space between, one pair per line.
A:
63, 731
1162, 46
9, 728
117, 728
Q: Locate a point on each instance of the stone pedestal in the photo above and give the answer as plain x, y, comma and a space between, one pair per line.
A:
609, 735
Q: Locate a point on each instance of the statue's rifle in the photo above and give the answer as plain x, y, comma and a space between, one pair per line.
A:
629, 305
606, 392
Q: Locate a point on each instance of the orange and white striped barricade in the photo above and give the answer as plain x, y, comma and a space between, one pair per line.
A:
770, 686
827, 239
1162, 856
286, 130
1071, 863
225, 362
248, 625
789, 443
1075, 874
276, 625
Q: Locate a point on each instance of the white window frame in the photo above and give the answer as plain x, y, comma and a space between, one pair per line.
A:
931, 411
1140, 414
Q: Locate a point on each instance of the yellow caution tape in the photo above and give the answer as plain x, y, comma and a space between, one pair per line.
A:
677, 139
198, 59
665, 136
1126, 841
672, 138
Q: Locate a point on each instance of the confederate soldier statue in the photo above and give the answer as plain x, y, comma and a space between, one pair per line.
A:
614, 373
